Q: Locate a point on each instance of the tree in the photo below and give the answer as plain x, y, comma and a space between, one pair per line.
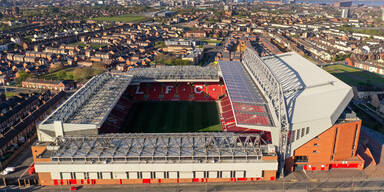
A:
21, 76
61, 75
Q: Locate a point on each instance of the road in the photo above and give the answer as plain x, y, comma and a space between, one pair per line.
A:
16, 89
351, 185
22, 162
369, 112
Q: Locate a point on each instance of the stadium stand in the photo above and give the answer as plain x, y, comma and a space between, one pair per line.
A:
175, 74
292, 105
180, 91
248, 105
87, 109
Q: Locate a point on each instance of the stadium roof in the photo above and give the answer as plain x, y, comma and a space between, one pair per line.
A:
174, 73
249, 106
92, 103
310, 92
304, 99
158, 147
238, 83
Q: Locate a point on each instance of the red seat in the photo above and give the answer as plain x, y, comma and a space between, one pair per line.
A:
169, 91
214, 91
199, 92
154, 91
184, 91
139, 92
252, 119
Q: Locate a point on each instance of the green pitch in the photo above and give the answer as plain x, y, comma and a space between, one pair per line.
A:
172, 116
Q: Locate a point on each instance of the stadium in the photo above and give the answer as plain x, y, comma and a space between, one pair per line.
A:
257, 119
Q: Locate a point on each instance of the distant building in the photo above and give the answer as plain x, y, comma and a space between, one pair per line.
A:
345, 13
195, 34
382, 13
180, 42
46, 84
3, 79
343, 4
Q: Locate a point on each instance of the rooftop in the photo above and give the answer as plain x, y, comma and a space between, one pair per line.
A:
248, 104
158, 147
310, 92
174, 73
92, 103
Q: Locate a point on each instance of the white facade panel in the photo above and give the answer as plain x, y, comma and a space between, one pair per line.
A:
160, 174
185, 169
239, 174
146, 175
212, 174
226, 174
92, 175
79, 175
172, 175
106, 175
186, 174
132, 175
199, 174
66, 175
119, 175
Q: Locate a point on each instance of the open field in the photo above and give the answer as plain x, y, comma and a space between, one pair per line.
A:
10, 94
58, 74
71, 73
172, 116
356, 77
122, 18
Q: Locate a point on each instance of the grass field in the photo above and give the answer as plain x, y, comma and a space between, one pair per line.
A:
356, 77
68, 73
122, 18
10, 94
172, 116
55, 75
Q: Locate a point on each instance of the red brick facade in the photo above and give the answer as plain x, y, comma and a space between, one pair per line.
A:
334, 148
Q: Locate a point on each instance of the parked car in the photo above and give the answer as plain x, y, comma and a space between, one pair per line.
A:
8, 170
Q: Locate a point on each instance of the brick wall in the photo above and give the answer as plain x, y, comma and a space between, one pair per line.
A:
336, 146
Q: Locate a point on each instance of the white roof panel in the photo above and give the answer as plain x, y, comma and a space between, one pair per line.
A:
310, 92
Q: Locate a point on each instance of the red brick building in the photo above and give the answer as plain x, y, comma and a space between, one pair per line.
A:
195, 34
48, 84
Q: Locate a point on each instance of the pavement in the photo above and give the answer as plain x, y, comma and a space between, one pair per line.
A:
333, 180
352, 185
22, 163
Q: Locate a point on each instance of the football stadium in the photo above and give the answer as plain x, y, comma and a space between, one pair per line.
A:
256, 119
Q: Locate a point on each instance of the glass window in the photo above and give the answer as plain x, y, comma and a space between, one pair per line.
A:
298, 134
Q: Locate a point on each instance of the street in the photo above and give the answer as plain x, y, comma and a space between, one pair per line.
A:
351, 185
